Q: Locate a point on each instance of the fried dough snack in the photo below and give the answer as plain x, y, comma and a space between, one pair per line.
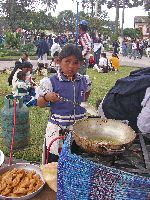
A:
19, 182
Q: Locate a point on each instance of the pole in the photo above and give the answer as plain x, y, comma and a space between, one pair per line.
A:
122, 25
96, 8
122, 18
77, 21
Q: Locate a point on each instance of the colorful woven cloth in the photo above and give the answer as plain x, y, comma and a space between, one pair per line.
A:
81, 179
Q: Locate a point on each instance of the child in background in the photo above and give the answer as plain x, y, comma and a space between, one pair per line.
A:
114, 60
68, 84
54, 66
24, 58
91, 61
103, 64
40, 68
22, 88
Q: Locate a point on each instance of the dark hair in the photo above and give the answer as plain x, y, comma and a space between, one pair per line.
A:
40, 66
21, 75
18, 65
42, 35
103, 54
56, 40
69, 50
56, 54
83, 27
26, 65
26, 54
115, 55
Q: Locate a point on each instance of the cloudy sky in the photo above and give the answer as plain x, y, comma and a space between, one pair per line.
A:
129, 12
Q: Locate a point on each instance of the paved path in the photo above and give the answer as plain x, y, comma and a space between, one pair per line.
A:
144, 62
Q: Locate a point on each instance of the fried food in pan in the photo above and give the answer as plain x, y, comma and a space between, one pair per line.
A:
19, 182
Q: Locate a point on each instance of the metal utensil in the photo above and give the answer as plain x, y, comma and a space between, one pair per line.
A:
97, 135
90, 109
68, 100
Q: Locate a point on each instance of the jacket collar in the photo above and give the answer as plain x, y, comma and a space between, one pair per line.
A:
62, 77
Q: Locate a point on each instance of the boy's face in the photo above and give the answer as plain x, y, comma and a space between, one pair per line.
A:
24, 56
70, 65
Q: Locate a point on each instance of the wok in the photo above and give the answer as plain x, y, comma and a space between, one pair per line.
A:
102, 136
27, 167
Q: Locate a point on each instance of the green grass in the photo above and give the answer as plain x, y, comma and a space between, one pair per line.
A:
101, 83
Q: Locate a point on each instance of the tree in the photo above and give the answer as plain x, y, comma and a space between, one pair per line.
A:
16, 11
48, 5
66, 21
38, 21
120, 4
132, 33
94, 6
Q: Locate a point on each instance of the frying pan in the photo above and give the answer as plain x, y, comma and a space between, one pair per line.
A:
102, 136
27, 167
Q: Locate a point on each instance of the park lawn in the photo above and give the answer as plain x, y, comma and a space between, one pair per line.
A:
101, 83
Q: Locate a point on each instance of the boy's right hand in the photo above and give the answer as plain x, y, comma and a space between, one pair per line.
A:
52, 96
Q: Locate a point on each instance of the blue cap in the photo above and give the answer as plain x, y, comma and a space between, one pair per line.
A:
83, 22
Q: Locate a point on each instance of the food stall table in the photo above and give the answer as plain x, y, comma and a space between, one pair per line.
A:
45, 194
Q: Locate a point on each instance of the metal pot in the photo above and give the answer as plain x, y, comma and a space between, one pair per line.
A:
102, 136
27, 167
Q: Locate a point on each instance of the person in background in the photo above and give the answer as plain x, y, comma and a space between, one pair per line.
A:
54, 66
50, 41
103, 64
68, 84
39, 69
124, 49
141, 48
43, 50
97, 47
17, 67
85, 45
24, 58
22, 88
91, 61
25, 67
116, 46
55, 47
147, 50
133, 49
114, 60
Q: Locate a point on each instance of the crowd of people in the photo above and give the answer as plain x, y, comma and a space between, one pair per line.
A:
69, 85
135, 48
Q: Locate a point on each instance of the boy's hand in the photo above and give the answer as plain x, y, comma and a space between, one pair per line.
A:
52, 96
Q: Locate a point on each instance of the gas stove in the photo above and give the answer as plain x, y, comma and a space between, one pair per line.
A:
135, 159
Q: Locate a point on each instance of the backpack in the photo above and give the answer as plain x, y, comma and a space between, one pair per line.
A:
123, 101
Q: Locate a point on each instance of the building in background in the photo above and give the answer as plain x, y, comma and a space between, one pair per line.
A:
141, 22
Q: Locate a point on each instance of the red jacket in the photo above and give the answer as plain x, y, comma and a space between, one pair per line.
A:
91, 61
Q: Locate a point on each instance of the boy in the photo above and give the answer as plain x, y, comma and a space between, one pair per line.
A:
66, 84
